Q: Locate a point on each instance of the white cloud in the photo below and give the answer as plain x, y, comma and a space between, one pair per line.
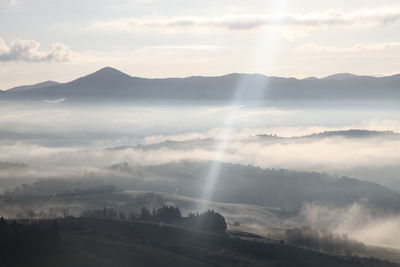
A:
28, 50
209, 110
173, 49
8, 2
357, 48
251, 21
261, 112
55, 101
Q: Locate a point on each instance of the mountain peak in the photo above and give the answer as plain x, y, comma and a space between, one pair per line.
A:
109, 71
340, 76
106, 74
311, 78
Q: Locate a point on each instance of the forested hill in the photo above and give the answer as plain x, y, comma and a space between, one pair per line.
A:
271, 187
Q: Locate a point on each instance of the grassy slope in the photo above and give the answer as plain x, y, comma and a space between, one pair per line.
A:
101, 243
134, 200
128, 200
87, 250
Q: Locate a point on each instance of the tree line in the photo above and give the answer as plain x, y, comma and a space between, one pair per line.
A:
209, 221
323, 240
30, 238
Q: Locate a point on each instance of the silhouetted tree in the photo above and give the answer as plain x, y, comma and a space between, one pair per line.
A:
18, 240
168, 214
145, 213
323, 240
209, 221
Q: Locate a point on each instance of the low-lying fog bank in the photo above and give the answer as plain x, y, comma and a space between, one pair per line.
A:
261, 166
373, 158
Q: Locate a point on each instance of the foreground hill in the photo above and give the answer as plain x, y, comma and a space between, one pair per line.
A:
101, 243
111, 84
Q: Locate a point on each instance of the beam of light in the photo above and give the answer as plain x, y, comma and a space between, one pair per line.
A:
268, 42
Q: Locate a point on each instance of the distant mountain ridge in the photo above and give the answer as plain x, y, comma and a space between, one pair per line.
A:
350, 133
342, 76
354, 133
111, 84
210, 143
34, 86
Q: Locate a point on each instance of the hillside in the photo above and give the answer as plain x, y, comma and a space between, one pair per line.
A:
285, 189
266, 187
122, 200
97, 242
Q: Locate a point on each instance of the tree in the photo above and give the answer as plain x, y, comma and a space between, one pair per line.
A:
209, 221
145, 213
3, 222
168, 214
65, 212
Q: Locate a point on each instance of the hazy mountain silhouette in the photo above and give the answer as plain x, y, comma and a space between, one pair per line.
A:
351, 133
356, 133
209, 143
111, 84
34, 86
341, 76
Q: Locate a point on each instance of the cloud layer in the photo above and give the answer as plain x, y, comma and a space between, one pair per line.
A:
357, 48
382, 16
8, 2
28, 51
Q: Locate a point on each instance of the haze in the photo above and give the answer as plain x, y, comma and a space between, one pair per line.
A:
187, 133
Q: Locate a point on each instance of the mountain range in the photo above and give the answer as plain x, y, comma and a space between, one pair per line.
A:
111, 84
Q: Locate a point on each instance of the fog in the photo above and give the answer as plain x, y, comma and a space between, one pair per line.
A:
334, 155
355, 220
108, 124
65, 141
58, 136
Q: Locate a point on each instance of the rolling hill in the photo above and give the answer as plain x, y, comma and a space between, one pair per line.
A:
268, 187
284, 189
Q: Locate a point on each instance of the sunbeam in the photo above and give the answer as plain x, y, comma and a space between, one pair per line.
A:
268, 41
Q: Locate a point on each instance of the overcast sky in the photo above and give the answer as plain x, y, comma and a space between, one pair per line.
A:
61, 40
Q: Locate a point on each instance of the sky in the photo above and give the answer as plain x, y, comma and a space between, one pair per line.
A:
61, 40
